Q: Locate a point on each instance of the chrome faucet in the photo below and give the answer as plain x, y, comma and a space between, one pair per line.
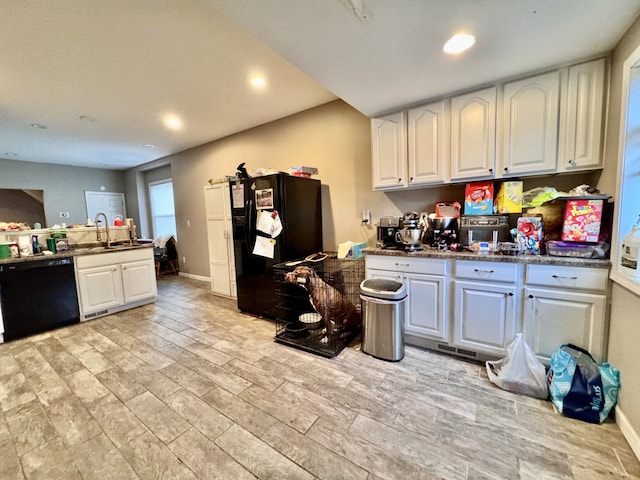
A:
106, 226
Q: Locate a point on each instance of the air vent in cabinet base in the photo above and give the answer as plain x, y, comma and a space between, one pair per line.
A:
457, 351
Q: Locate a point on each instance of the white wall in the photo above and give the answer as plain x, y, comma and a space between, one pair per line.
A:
624, 327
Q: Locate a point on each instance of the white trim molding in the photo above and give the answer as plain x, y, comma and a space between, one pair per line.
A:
627, 430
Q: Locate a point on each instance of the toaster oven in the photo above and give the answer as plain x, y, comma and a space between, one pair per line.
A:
480, 228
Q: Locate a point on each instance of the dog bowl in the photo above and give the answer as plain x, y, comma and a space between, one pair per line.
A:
296, 330
311, 320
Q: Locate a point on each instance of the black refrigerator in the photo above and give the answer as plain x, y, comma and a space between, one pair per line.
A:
297, 202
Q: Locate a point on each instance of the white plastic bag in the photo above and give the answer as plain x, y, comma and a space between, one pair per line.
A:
520, 371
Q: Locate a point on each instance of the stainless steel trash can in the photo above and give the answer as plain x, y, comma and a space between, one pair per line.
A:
383, 303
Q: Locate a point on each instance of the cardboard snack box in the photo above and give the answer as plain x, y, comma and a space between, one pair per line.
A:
529, 235
509, 198
478, 198
582, 220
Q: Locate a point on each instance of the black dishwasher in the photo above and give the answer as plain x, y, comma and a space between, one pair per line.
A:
37, 295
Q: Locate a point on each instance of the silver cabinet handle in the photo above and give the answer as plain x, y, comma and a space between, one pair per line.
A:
402, 264
482, 271
566, 278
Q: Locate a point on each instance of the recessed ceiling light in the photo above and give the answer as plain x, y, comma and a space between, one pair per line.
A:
39, 125
258, 81
148, 145
459, 43
172, 122
87, 118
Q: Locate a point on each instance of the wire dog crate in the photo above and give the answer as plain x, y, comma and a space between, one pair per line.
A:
330, 288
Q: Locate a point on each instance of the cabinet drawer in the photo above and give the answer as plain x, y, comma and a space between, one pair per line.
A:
495, 271
400, 264
567, 277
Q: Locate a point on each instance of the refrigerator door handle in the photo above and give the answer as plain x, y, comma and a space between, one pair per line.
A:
248, 226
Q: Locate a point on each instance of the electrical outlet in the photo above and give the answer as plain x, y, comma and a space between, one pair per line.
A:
188, 223
366, 217
64, 214
184, 259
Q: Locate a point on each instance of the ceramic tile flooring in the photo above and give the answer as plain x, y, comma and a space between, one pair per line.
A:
189, 388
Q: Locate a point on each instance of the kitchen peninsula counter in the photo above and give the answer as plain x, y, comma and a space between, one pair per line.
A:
429, 252
74, 251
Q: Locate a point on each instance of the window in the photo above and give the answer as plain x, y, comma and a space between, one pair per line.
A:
163, 213
628, 183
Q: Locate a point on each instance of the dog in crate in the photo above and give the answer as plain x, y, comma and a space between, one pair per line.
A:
337, 312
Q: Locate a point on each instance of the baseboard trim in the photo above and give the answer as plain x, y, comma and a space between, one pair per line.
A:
629, 433
195, 277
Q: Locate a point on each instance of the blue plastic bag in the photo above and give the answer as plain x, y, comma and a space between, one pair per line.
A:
579, 387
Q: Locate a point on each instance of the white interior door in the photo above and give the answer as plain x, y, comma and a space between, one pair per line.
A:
111, 204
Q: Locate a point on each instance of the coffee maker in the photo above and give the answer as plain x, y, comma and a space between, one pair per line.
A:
388, 227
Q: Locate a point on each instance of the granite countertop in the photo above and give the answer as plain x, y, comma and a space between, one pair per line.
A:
74, 251
429, 252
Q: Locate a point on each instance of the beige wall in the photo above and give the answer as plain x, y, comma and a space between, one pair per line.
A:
334, 137
63, 186
624, 328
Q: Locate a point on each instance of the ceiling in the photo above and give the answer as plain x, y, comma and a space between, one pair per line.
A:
101, 76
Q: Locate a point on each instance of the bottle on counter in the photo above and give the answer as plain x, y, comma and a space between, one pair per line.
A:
35, 247
631, 250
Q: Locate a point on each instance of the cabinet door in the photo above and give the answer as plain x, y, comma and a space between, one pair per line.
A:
553, 317
218, 238
427, 144
427, 312
100, 288
584, 117
389, 152
531, 111
484, 316
473, 135
138, 281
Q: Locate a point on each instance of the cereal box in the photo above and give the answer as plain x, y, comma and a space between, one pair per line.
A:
478, 198
529, 235
582, 220
509, 198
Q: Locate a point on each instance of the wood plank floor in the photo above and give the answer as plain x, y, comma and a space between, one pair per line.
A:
190, 388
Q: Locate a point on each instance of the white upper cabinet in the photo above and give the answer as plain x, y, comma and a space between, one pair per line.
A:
545, 124
473, 134
428, 148
582, 124
389, 152
530, 121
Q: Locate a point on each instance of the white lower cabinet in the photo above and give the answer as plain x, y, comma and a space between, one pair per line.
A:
427, 307
115, 281
484, 316
485, 306
100, 288
565, 305
492, 301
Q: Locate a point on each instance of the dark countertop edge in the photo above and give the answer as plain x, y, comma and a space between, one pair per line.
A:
73, 252
526, 259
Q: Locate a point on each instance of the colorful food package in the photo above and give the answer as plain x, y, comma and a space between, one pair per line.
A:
529, 235
509, 198
478, 198
582, 220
